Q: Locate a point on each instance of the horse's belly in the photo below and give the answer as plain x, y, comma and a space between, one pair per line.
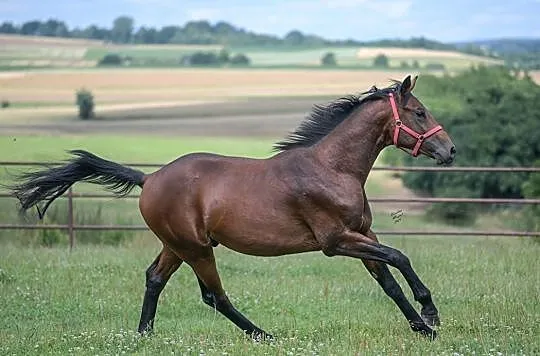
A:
267, 240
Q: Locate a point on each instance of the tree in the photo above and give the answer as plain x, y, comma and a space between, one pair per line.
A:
493, 118
224, 56
294, 38
8, 27
531, 190
329, 60
30, 28
240, 59
111, 59
85, 102
381, 61
122, 30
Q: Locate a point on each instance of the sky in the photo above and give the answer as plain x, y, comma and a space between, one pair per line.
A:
443, 20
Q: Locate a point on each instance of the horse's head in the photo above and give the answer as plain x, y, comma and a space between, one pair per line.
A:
414, 127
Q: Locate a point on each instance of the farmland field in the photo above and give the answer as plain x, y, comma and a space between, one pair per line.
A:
186, 84
59, 52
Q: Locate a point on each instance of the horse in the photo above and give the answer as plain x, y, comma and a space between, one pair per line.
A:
308, 196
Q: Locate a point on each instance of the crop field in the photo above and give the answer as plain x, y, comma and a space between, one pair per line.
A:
180, 85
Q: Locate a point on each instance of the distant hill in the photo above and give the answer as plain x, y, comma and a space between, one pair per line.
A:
516, 52
504, 46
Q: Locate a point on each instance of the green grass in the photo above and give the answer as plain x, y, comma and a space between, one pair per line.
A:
140, 149
88, 302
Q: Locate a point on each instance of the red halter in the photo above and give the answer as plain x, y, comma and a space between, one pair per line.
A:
420, 138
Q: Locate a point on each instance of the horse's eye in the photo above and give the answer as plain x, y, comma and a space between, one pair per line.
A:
420, 112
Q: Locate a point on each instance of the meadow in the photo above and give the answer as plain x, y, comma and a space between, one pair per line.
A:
88, 302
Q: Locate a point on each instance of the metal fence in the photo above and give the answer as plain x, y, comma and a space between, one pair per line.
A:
71, 227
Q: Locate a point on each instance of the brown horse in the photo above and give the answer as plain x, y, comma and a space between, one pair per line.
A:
308, 197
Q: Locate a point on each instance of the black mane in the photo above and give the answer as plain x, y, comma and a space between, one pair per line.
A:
324, 118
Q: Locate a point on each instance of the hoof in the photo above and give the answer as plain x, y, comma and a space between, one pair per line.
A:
260, 335
146, 332
431, 320
424, 330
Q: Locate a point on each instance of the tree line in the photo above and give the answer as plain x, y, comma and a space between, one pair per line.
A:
123, 30
493, 117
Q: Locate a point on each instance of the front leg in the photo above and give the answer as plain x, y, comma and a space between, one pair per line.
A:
391, 287
421, 293
354, 244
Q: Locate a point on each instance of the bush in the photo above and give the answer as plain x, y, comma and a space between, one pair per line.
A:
5, 104
57, 214
224, 56
329, 60
204, 59
493, 118
85, 101
381, 61
459, 214
531, 190
240, 59
111, 59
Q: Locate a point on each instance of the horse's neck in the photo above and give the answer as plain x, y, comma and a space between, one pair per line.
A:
355, 144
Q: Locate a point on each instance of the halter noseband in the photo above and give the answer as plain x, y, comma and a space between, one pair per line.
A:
420, 138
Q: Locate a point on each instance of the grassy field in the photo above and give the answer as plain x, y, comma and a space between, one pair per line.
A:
53, 52
362, 57
88, 302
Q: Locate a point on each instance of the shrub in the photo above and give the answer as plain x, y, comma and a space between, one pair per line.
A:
459, 214
404, 65
5, 104
240, 59
381, 61
329, 60
85, 101
204, 59
224, 56
111, 59
531, 190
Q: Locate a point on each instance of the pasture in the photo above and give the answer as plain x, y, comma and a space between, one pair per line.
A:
88, 302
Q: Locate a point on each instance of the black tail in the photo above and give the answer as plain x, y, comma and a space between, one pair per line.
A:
48, 184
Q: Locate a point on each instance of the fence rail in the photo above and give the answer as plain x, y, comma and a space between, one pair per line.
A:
71, 227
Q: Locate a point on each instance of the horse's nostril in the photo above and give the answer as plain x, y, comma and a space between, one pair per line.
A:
453, 150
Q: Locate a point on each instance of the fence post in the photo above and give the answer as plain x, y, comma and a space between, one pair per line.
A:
70, 219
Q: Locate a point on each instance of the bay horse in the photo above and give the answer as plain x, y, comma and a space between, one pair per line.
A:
309, 196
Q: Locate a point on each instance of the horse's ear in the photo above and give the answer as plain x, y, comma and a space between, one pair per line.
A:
413, 83
407, 86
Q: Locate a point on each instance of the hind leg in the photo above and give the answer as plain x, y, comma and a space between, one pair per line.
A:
213, 295
157, 275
